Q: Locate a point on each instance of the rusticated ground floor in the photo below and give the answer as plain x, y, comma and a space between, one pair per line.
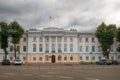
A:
59, 58
53, 58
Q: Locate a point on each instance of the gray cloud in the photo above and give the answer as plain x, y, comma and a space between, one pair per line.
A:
80, 14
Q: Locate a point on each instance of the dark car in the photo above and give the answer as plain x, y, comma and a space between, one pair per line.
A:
115, 62
104, 62
5, 62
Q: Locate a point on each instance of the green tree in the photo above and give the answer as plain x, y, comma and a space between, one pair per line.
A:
118, 35
4, 34
16, 32
118, 39
105, 35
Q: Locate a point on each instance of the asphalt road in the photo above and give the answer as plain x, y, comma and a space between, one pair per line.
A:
60, 72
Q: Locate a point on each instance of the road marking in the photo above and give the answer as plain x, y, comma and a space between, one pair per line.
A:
45, 76
11, 74
91, 79
67, 77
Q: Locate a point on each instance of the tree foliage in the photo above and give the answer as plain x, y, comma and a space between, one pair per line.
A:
105, 34
118, 39
16, 32
4, 34
118, 35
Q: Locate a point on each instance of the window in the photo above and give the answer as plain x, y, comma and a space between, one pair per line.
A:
46, 58
24, 48
59, 48
65, 58
40, 58
46, 39
99, 58
86, 39
80, 39
11, 48
65, 47
93, 58
80, 48
71, 39
40, 48
93, 48
87, 58
93, 39
71, 47
112, 58
53, 48
24, 58
87, 48
99, 49
24, 39
80, 57
40, 39
59, 38
34, 58
71, 58
53, 39
47, 48
59, 58
111, 49
65, 39
11, 58
34, 47
34, 39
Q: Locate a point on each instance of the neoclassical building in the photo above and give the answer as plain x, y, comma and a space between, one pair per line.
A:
56, 45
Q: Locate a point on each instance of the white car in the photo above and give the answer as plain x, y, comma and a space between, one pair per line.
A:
17, 62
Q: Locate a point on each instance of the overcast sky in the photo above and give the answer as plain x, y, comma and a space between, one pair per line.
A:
79, 14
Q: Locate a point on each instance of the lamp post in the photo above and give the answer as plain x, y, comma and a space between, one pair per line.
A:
91, 56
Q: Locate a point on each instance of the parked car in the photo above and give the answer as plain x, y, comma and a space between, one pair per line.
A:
104, 62
17, 62
5, 62
115, 62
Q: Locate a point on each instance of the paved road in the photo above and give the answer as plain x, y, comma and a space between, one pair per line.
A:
60, 72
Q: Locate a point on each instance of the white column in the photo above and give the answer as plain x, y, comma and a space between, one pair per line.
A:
62, 45
75, 44
30, 45
37, 45
68, 44
43, 44
56, 45
50, 47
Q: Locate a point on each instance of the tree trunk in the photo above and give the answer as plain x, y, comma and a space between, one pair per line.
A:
107, 56
6, 53
15, 51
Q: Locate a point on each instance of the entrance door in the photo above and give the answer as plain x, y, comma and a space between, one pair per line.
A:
53, 59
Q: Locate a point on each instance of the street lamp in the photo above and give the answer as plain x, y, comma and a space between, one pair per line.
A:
91, 56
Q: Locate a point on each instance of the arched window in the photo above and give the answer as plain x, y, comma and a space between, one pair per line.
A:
71, 58
40, 58
65, 58
59, 58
